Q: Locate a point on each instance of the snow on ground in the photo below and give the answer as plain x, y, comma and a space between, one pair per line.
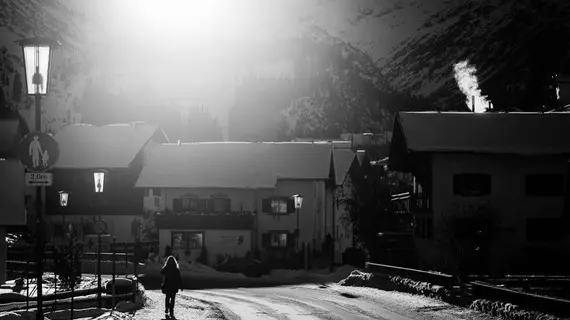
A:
310, 275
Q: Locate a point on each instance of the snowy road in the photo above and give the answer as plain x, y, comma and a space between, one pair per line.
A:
330, 302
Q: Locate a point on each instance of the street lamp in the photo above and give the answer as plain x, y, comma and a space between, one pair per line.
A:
298, 199
63, 198
99, 181
37, 54
99, 184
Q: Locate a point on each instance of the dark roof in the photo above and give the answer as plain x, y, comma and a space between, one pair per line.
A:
109, 146
498, 133
343, 159
234, 164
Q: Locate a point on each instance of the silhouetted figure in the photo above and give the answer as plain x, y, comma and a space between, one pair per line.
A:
171, 283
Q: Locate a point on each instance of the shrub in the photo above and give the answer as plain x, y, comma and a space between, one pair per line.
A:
67, 263
508, 311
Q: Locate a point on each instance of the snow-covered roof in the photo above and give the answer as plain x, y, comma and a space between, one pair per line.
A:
234, 164
501, 133
109, 146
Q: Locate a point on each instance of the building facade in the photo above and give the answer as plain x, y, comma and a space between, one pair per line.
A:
237, 197
490, 189
97, 169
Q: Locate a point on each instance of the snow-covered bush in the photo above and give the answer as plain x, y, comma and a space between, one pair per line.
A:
508, 311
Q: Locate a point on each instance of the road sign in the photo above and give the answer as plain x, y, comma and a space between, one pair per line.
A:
38, 151
39, 179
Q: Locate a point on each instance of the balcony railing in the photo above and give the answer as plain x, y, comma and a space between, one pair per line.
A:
234, 220
178, 213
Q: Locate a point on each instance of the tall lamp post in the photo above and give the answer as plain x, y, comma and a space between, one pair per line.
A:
100, 226
298, 199
37, 54
63, 202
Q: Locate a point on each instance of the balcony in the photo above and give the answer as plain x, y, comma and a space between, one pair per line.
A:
235, 220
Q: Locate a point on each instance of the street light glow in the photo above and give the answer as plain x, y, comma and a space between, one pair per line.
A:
37, 55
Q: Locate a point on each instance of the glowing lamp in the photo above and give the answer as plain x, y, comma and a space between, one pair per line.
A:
37, 59
298, 201
99, 181
63, 198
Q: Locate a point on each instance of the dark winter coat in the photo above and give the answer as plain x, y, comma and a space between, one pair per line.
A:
171, 280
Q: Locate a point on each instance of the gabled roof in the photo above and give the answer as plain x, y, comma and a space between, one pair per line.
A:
234, 164
343, 159
498, 133
109, 146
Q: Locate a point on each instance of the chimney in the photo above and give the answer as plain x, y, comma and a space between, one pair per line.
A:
564, 89
473, 103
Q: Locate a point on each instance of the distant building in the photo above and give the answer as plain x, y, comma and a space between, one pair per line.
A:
490, 188
120, 150
231, 198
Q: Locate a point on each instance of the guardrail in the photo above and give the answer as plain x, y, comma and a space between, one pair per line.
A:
442, 279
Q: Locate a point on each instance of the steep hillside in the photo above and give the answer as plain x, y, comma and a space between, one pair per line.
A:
333, 88
516, 46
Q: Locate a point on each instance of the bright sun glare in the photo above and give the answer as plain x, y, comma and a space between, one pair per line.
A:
469, 85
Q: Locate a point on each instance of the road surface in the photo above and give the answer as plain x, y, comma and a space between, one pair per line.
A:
330, 302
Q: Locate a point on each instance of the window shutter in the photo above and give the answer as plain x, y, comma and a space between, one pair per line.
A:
177, 204
266, 240
290, 206
266, 205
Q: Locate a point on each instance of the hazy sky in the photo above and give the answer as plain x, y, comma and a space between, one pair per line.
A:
195, 51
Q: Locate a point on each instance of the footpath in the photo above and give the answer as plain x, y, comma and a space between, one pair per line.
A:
186, 308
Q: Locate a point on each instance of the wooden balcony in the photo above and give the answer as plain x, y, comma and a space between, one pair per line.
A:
242, 220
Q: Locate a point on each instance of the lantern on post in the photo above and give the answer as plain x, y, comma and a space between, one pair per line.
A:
298, 199
99, 180
37, 61
63, 198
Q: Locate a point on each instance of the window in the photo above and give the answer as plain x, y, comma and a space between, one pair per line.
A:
279, 240
545, 185
543, 229
278, 205
472, 184
187, 240
156, 202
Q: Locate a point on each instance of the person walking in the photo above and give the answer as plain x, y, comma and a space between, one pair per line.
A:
171, 283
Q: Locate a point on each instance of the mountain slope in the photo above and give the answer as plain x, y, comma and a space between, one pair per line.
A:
515, 46
333, 88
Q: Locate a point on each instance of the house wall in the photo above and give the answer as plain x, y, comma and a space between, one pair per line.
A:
118, 226
311, 215
508, 201
216, 242
343, 232
241, 199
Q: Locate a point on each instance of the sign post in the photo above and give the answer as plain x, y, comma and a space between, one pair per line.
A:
39, 152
